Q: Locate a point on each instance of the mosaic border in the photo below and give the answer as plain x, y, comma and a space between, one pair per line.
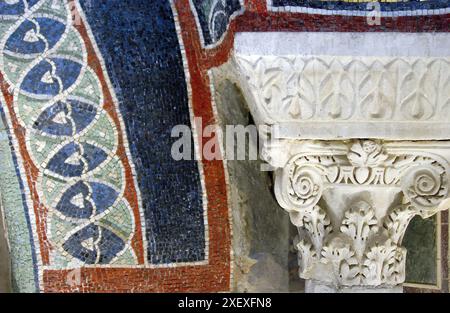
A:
389, 9
147, 264
36, 173
211, 276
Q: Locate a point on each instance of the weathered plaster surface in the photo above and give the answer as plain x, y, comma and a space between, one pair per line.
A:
260, 228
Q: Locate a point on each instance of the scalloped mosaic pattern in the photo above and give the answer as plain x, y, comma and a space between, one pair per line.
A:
70, 137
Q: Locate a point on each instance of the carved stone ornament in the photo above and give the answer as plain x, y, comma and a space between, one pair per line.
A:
351, 136
353, 205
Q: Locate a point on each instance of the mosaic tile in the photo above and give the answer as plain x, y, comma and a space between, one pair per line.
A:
356, 7
44, 62
214, 16
90, 91
170, 190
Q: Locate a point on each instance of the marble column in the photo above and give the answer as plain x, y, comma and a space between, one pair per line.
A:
356, 130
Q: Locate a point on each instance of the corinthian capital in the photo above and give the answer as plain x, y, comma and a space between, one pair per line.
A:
352, 202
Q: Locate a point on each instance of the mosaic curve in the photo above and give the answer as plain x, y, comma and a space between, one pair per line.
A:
70, 137
213, 17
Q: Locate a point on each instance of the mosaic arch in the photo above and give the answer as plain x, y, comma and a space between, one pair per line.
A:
90, 198
86, 116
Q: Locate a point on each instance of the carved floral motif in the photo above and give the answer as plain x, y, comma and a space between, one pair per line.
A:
354, 257
358, 224
358, 88
367, 153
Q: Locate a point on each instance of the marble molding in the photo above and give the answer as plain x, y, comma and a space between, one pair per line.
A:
357, 135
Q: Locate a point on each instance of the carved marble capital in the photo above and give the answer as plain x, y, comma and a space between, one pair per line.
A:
357, 133
352, 202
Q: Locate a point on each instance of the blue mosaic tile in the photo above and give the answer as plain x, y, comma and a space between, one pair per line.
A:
42, 79
73, 159
66, 118
26, 41
15, 8
94, 245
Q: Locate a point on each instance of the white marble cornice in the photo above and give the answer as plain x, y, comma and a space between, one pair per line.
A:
346, 85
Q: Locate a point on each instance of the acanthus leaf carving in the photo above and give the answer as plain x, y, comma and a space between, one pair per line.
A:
397, 222
359, 223
384, 264
345, 265
318, 225
307, 256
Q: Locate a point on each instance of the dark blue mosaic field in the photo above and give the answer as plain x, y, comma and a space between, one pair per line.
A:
138, 41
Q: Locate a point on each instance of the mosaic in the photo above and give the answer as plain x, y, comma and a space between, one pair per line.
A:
214, 16
356, 7
150, 118
90, 91
92, 132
